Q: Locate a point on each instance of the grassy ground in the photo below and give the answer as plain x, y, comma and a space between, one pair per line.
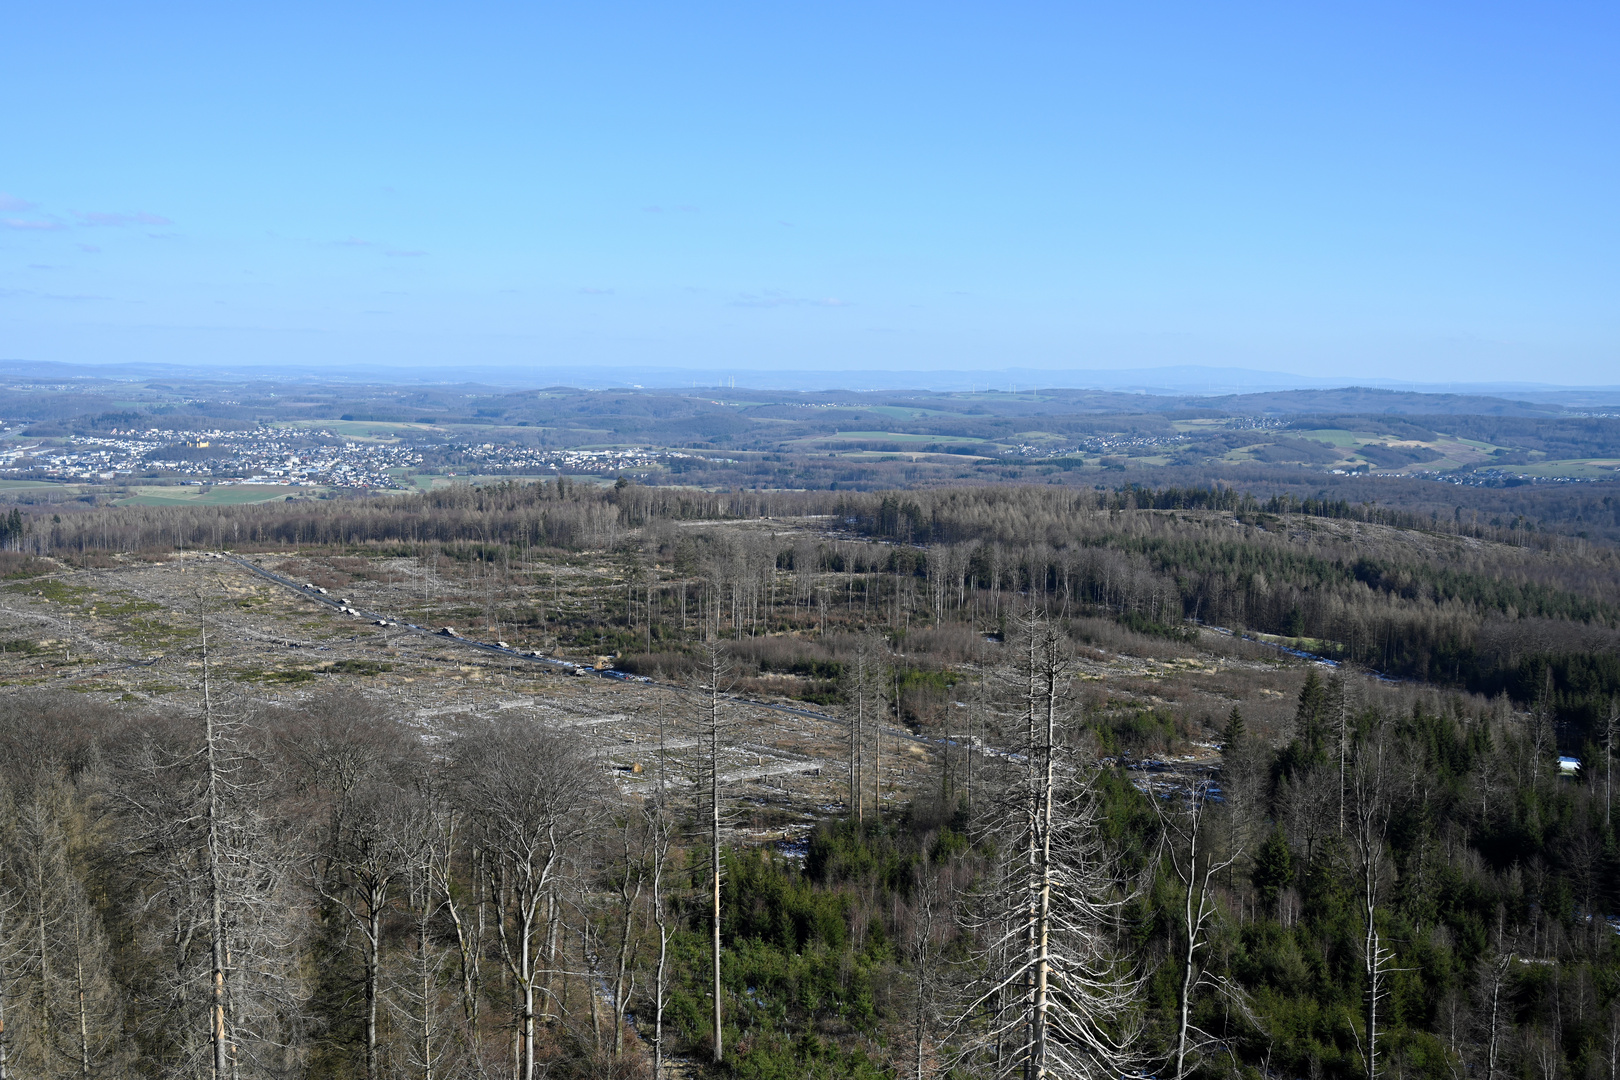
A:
226, 495
31, 485
1580, 468
889, 436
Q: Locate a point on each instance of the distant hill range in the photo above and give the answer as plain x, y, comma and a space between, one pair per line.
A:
1010, 392
1365, 400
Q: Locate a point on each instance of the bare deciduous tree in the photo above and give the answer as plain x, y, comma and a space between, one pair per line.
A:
419, 999
531, 793
1196, 867
350, 755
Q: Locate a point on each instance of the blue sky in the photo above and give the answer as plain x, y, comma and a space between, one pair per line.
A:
1420, 191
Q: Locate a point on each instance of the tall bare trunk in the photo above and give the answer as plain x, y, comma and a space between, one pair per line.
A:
373, 977
5, 1061
714, 848
81, 996
1189, 959
217, 1033
663, 961
1032, 851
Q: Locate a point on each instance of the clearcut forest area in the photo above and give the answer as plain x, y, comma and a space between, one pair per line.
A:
1274, 741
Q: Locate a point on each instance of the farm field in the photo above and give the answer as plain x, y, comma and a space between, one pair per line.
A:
217, 495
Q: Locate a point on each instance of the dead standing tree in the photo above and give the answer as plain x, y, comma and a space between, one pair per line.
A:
1369, 832
715, 679
11, 906
660, 832
863, 692
55, 990
928, 934
1054, 999
1196, 868
214, 873
38, 859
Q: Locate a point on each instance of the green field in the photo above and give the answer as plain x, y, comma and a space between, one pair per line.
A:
891, 436
1339, 437
29, 485
902, 412
1577, 468
358, 429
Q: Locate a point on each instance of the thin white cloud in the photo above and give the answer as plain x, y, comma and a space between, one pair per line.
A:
12, 203
31, 224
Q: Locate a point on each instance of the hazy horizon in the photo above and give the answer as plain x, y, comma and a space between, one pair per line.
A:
1183, 380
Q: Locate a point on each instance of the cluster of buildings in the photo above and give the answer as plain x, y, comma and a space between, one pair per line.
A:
528, 459
1501, 478
1114, 444
262, 456
285, 456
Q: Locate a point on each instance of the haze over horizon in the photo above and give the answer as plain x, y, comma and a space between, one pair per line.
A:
1389, 193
